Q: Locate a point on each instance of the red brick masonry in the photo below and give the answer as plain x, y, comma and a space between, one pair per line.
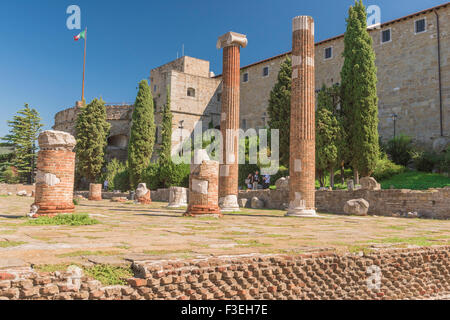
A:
95, 192
58, 198
404, 274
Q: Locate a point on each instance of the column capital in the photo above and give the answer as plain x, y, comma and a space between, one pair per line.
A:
232, 39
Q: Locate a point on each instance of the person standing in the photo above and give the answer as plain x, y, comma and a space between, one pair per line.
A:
249, 181
256, 180
105, 185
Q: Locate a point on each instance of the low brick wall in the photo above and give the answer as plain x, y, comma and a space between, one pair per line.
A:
399, 274
433, 203
14, 188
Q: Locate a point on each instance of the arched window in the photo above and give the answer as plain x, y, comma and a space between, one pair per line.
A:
191, 92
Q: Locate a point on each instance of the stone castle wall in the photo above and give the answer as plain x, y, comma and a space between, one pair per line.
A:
421, 273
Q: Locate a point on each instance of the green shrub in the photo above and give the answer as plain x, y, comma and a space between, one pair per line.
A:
76, 201
10, 176
117, 176
151, 176
400, 149
425, 161
174, 175
415, 180
158, 175
386, 169
444, 163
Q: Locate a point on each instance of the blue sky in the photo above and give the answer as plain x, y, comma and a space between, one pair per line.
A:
41, 64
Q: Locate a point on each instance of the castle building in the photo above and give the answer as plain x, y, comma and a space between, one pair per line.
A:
413, 61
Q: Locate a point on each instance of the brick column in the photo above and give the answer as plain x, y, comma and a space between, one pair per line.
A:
55, 174
95, 192
231, 43
302, 133
204, 187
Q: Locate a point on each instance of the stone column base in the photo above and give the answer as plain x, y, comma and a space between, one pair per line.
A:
308, 213
200, 210
229, 203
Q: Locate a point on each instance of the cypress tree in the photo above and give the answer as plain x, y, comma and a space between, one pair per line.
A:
328, 134
142, 137
359, 93
92, 130
279, 109
25, 128
166, 132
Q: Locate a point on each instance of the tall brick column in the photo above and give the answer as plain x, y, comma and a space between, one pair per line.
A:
204, 187
55, 174
302, 132
231, 43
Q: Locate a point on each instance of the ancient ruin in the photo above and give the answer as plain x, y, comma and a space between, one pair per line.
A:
302, 143
177, 197
143, 195
203, 186
231, 43
55, 174
95, 192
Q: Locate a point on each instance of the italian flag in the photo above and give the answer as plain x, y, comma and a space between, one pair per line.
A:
81, 35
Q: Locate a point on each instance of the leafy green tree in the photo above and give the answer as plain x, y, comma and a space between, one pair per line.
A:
328, 134
142, 137
279, 109
166, 132
117, 176
25, 128
92, 131
359, 93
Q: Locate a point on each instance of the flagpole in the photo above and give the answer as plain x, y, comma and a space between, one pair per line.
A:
84, 64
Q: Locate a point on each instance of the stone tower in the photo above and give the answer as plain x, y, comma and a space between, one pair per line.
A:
302, 133
231, 43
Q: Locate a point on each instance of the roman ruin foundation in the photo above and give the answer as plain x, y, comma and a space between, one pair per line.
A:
203, 186
55, 174
302, 133
231, 43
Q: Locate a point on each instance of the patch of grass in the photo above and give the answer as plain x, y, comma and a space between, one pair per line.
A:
87, 253
400, 228
251, 244
8, 231
64, 219
8, 244
416, 180
202, 228
51, 267
124, 246
199, 245
236, 233
357, 249
276, 235
109, 275
418, 241
165, 252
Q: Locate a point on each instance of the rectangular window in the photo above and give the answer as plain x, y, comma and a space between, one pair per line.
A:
244, 124
386, 36
265, 71
219, 97
245, 77
420, 26
328, 53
